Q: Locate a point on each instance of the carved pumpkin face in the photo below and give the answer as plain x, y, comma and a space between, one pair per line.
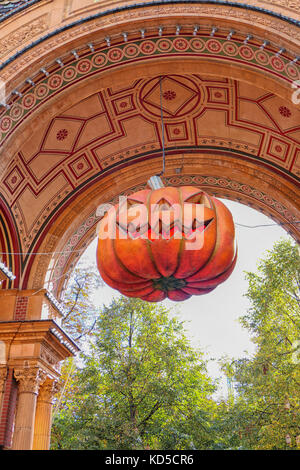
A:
170, 242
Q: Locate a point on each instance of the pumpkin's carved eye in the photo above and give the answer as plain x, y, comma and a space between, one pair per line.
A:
199, 198
174, 224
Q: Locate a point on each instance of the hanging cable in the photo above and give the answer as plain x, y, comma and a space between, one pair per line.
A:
162, 128
268, 225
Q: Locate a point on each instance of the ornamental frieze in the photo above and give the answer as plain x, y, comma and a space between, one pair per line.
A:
292, 5
22, 35
50, 357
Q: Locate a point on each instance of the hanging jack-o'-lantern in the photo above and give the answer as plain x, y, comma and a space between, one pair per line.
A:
167, 242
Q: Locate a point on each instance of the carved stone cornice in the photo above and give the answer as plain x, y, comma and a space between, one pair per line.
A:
51, 344
292, 5
21, 35
30, 379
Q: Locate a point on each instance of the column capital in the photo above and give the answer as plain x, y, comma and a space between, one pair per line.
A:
30, 379
48, 389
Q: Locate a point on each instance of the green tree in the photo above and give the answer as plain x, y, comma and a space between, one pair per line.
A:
265, 412
141, 385
79, 303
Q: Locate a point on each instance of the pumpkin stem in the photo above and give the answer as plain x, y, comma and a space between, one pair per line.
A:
155, 182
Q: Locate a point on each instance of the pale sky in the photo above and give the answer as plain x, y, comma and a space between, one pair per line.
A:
212, 319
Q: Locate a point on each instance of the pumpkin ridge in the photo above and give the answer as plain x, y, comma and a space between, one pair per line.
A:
216, 247
118, 262
182, 241
123, 265
148, 244
231, 266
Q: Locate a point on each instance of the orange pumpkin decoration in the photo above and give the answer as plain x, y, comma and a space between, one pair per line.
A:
138, 264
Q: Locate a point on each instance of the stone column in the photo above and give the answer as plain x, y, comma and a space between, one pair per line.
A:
43, 415
29, 381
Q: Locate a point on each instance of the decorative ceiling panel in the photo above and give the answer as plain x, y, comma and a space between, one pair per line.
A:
116, 125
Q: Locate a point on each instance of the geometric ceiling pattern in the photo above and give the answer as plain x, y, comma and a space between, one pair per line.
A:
115, 125
107, 58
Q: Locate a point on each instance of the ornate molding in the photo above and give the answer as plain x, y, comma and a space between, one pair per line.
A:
30, 379
23, 34
292, 5
71, 11
14, 6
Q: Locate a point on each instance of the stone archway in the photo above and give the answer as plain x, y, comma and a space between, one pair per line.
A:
82, 124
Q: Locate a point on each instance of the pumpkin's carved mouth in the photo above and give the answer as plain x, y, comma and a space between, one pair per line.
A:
164, 231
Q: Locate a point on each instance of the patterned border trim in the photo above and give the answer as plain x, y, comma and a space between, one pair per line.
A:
131, 52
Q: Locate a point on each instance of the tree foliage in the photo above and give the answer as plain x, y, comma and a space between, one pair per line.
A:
79, 303
140, 385
266, 408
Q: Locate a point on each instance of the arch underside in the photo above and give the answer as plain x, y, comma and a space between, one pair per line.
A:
91, 130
